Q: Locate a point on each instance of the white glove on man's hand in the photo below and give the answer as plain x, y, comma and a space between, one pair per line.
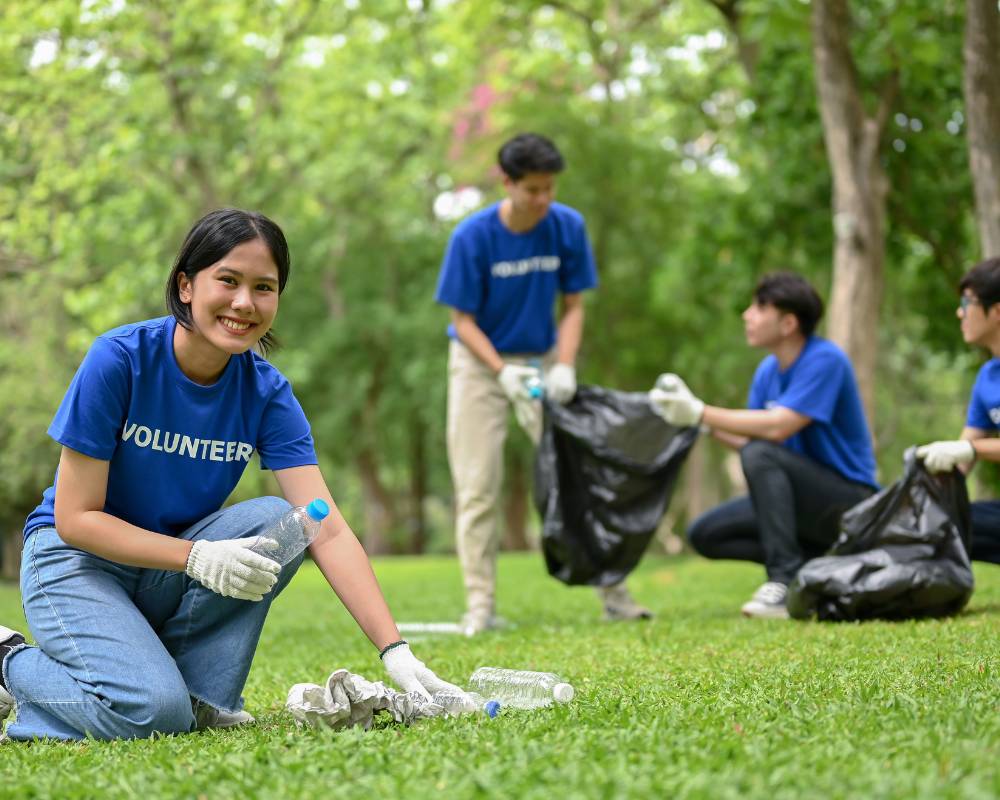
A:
231, 569
945, 456
673, 401
410, 674
513, 378
560, 383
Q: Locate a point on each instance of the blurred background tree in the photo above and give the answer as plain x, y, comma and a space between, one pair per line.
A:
695, 145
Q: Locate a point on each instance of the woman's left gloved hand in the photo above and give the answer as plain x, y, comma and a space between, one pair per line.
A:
410, 674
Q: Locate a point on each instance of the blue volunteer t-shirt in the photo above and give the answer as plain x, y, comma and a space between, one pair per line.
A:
509, 281
820, 384
176, 448
984, 404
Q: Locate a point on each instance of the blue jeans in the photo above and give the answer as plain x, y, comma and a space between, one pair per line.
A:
123, 650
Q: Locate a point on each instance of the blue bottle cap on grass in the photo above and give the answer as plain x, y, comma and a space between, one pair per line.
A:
318, 510
492, 708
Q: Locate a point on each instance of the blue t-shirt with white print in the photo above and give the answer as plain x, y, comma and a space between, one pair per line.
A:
820, 384
176, 448
984, 404
509, 281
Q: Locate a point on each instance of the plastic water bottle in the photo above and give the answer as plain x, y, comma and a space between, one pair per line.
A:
519, 688
456, 703
535, 385
293, 533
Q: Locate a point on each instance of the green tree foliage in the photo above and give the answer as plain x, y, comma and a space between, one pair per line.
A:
694, 149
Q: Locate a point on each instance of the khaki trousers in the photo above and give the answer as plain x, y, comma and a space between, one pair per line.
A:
478, 415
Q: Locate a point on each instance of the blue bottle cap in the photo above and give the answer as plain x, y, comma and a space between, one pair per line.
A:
318, 510
492, 708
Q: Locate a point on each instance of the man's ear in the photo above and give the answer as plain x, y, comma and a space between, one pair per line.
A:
788, 323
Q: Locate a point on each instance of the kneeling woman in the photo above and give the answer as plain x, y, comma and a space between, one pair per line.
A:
140, 589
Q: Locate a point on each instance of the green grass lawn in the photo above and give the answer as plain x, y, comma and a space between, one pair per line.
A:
698, 703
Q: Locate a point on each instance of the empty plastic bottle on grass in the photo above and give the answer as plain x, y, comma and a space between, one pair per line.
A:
456, 703
521, 688
293, 533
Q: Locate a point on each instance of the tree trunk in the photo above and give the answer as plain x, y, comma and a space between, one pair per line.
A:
417, 523
10, 560
982, 108
380, 515
860, 187
515, 501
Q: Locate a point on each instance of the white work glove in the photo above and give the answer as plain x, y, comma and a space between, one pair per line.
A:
513, 380
410, 674
527, 409
231, 569
673, 401
945, 456
560, 383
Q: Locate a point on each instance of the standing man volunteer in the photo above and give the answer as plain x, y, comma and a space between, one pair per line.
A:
501, 273
804, 444
979, 312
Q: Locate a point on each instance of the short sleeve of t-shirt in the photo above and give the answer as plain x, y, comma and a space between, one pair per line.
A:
285, 439
758, 386
985, 397
461, 282
815, 386
578, 271
94, 407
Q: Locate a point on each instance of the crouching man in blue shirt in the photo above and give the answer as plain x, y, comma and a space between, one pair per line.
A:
979, 312
803, 441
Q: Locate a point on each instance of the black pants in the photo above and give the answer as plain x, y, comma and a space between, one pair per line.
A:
792, 513
986, 531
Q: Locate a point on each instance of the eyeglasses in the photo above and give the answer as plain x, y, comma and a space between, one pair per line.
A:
965, 301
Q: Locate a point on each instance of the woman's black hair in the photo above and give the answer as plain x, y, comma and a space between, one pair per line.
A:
792, 294
208, 242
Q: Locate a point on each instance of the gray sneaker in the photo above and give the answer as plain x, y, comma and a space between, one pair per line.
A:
619, 605
206, 716
9, 639
768, 602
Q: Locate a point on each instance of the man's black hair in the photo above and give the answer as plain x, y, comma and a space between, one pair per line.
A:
792, 294
527, 153
983, 280
210, 240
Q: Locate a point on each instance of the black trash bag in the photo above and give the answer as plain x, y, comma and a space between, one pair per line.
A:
901, 554
604, 472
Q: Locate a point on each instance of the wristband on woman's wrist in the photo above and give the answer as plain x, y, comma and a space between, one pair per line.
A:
392, 646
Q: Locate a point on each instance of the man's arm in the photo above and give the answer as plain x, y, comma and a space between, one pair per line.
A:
730, 440
773, 424
985, 445
570, 332
472, 336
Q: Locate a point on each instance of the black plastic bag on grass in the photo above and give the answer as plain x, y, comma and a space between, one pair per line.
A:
604, 473
901, 554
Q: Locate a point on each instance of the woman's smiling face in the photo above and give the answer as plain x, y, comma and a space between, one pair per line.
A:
235, 300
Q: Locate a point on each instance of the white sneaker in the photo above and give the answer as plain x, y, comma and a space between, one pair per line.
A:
474, 622
9, 638
619, 605
768, 602
206, 716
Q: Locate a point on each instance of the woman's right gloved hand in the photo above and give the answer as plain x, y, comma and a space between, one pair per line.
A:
231, 569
